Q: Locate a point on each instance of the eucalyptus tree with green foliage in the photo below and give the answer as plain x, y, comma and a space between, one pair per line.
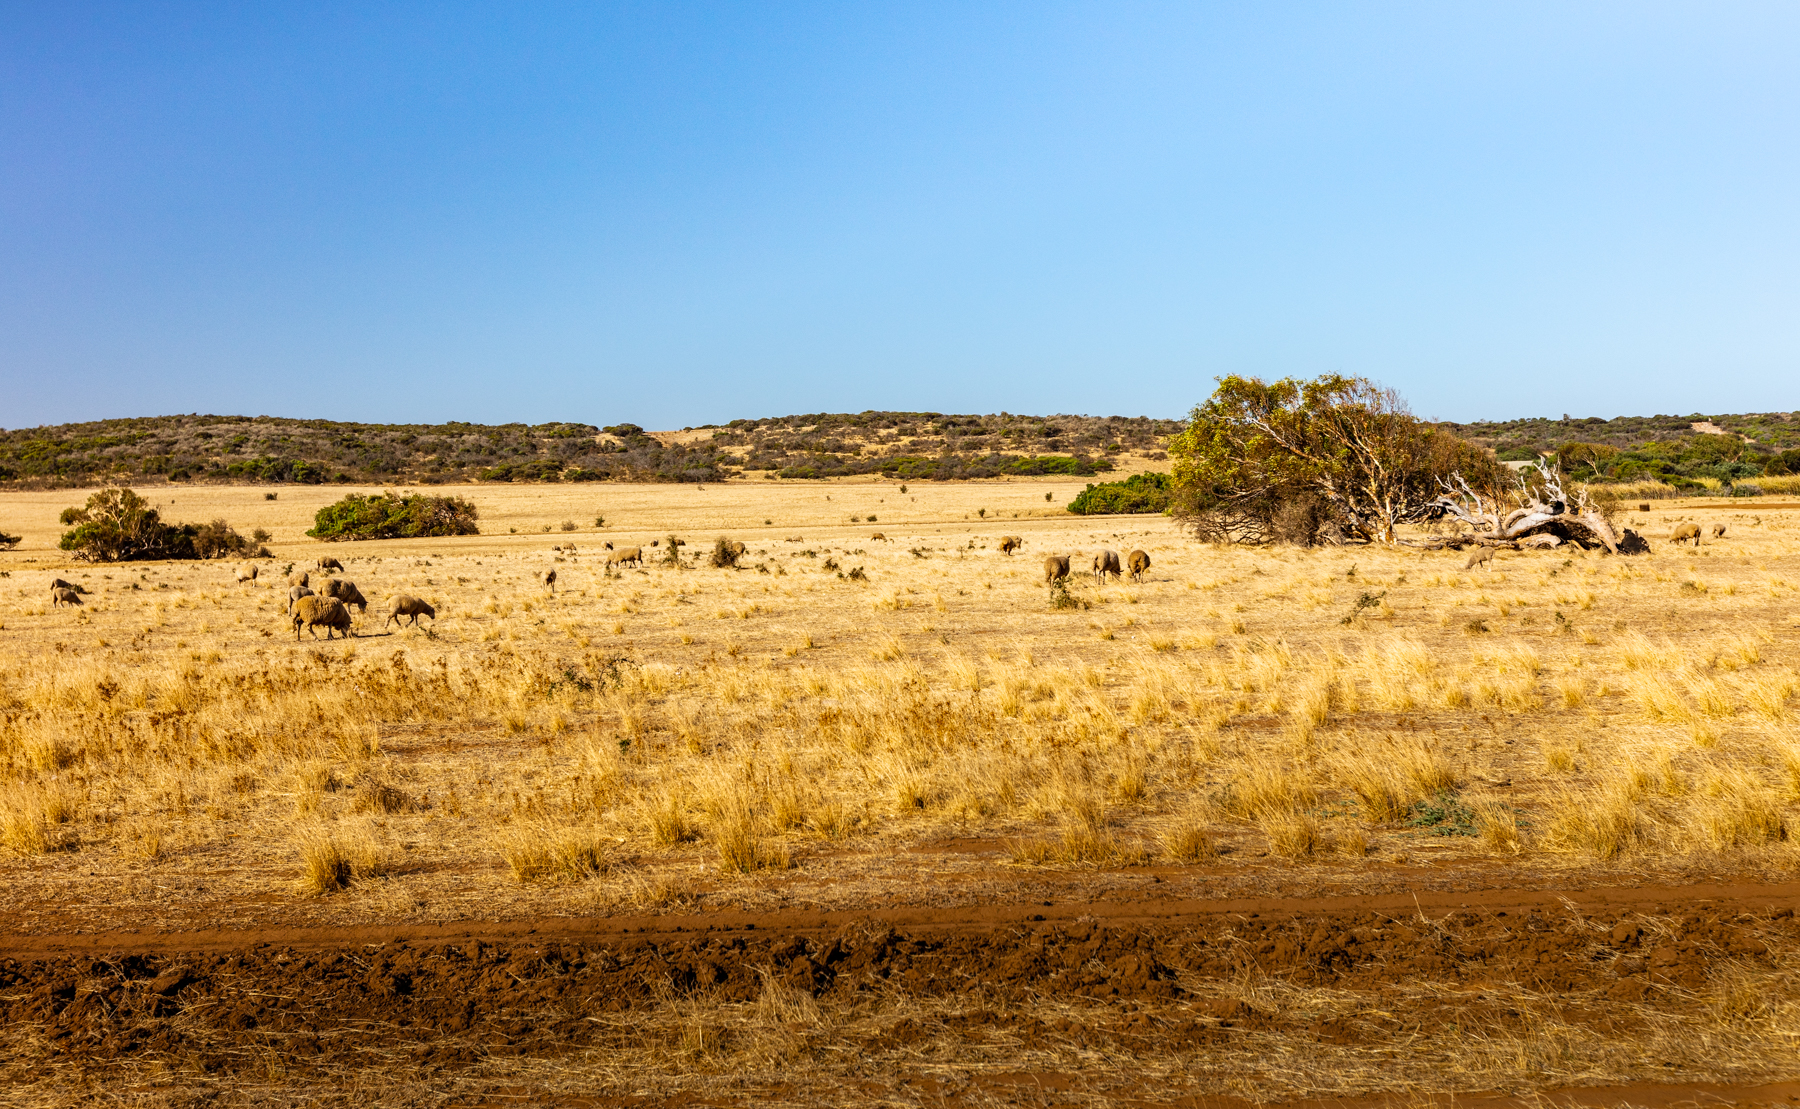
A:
117, 525
1342, 452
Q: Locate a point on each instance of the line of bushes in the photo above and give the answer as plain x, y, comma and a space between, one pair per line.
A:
1148, 492
394, 516
117, 525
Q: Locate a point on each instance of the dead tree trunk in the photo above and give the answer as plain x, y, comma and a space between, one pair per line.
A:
1552, 512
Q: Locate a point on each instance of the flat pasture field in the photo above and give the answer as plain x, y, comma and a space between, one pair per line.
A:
893, 815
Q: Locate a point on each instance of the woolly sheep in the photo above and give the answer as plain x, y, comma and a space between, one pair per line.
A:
1138, 562
550, 580
344, 590
300, 577
1056, 567
404, 605
61, 584
1010, 543
329, 563
246, 571
64, 597
627, 554
294, 594
1478, 557
1685, 532
321, 612
1718, 531
1106, 562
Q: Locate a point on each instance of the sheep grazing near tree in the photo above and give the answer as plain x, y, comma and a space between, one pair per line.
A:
64, 597
344, 590
314, 613
1480, 556
1056, 568
1684, 532
404, 605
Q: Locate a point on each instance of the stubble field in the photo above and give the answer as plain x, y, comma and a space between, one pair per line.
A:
872, 820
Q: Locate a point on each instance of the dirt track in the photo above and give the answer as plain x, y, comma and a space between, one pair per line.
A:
1158, 1003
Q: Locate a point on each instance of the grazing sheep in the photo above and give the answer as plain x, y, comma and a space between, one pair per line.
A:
294, 594
61, 584
737, 549
609, 546
321, 612
64, 597
344, 590
1480, 556
1685, 532
1138, 561
879, 536
1010, 543
1107, 562
300, 577
628, 554
404, 605
550, 580
1718, 531
1056, 568
246, 571
329, 563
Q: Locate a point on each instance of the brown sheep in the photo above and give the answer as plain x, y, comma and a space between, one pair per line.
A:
61, 584
294, 594
879, 536
1106, 562
1056, 568
1009, 544
300, 577
329, 563
344, 590
64, 597
404, 605
550, 580
321, 612
1480, 556
1685, 532
246, 571
624, 555
1138, 562
1718, 531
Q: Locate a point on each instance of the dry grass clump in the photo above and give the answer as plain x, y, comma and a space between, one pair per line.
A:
555, 854
332, 859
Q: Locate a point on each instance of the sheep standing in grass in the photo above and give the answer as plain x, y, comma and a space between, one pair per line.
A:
550, 580
624, 555
1010, 543
404, 605
294, 594
246, 571
58, 583
300, 577
1138, 561
329, 563
1480, 556
1685, 532
879, 536
64, 597
1107, 562
1718, 531
1056, 568
321, 612
344, 590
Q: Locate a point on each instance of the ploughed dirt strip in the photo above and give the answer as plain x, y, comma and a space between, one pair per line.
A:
1158, 1004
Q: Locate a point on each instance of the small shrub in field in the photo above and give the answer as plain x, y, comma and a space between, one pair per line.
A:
8, 542
568, 525
1189, 842
725, 553
324, 865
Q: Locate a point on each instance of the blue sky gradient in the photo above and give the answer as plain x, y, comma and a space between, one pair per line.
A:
685, 213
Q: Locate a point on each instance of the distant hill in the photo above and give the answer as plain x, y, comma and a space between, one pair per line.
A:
915, 445
1690, 454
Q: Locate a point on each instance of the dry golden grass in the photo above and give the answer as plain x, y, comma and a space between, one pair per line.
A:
823, 723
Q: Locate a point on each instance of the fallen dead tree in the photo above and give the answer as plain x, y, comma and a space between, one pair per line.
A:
1543, 517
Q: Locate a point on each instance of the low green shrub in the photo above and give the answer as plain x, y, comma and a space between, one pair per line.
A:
1148, 492
394, 516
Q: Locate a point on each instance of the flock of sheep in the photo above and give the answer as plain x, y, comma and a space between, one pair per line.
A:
329, 606
1056, 567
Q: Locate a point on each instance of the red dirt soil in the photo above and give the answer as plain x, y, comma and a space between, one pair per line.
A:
456, 997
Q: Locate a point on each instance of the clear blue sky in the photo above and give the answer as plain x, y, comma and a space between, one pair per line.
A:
677, 214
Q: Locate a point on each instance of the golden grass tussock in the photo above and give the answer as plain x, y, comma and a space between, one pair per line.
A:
569, 854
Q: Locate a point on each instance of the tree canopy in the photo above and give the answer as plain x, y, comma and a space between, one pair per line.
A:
1306, 460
